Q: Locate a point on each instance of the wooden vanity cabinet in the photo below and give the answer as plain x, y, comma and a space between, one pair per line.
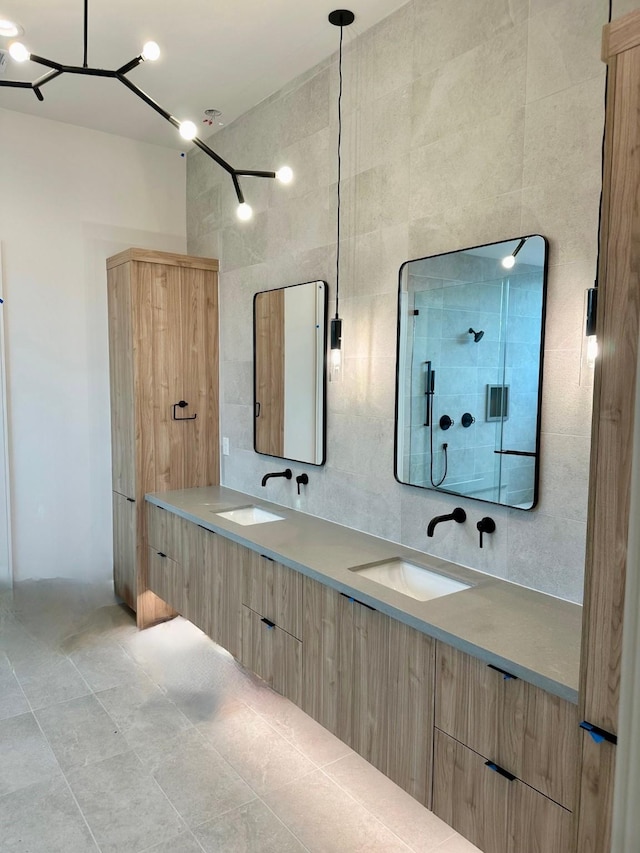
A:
163, 349
274, 591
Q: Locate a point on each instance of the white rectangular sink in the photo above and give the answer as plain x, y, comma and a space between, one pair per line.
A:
247, 515
409, 579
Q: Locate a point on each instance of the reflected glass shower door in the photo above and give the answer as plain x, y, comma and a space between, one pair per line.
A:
5, 546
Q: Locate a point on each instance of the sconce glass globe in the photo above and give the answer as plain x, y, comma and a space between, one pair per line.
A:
150, 51
19, 52
188, 130
508, 262
284, 174
244, 211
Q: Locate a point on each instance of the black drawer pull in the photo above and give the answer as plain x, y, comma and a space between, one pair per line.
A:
355, 601
497, 769
131, 500
268, 622
264, 557
599, 734
506, 675
160, 554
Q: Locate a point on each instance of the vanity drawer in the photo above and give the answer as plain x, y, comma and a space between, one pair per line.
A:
166, 578
469, 796
164, 532
272, 654
273, 591
480, 706
496, 813
524, 729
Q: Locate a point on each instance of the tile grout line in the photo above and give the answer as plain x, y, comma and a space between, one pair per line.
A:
82, 814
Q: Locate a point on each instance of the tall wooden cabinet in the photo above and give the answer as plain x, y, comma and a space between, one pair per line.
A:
163, 354
612, 433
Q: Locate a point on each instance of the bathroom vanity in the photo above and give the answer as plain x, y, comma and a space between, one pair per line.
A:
466, 700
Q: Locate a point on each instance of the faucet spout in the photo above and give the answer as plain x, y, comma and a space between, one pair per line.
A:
458, 515
287, 474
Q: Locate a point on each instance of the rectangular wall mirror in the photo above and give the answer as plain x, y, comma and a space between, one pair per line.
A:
469, 371
289, 378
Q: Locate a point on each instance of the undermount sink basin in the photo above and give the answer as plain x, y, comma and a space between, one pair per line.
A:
409, 579
247, 515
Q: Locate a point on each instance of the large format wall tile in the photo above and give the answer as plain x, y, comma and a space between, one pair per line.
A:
463, 123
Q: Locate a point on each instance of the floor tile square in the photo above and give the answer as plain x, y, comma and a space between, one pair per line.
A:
25, 754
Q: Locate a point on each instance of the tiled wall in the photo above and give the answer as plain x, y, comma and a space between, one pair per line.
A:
464, 123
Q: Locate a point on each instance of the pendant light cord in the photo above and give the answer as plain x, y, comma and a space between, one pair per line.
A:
86, 33
339, 172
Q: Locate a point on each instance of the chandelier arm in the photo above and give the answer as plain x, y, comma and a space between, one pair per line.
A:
148, 100
50, 75
16, 84
124, 69
238, 188
252, 173
49, 63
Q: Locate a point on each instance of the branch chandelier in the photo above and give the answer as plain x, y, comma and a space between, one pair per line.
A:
150, 52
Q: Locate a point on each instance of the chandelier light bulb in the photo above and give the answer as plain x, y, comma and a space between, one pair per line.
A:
284, 174
19, 52
244, 211
150, 51
508, 262
188, 130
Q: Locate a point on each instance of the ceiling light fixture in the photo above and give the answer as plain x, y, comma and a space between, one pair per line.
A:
509, 261
9, 29
150, 52
339, 18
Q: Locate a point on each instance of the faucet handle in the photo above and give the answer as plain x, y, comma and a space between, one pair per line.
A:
302, 480
485, 525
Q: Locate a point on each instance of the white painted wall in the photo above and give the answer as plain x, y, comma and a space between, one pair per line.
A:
69, 198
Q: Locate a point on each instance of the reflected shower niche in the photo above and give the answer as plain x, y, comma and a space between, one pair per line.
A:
469, 371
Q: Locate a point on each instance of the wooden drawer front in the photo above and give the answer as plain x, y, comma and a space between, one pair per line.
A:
411, 684
164, 531
125, 554
550, 746
537, 824
470, 797
166, 579
274, 591
272, 654
481, 708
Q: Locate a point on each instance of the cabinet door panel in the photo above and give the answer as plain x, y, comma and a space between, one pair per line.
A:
328, 658
481, 708
272, 654
537, 824
470, 797
121, 378
550, 747
410, 710
125, 549
370, 685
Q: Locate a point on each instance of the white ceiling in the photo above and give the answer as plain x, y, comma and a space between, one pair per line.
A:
226, 54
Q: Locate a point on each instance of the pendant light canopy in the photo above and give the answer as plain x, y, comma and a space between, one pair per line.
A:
339, 18
150, 52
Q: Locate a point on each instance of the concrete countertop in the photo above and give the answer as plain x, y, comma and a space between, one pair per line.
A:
529, 634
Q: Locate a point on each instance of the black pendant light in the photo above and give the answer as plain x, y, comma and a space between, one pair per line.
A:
150, 52
339, 18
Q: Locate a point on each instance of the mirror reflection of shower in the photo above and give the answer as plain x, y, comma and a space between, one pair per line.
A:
468, 415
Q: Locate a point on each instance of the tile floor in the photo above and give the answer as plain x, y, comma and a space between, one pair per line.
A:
122, 741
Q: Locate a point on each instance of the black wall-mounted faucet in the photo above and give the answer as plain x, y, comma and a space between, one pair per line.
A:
302, 480
458, 515
287, 474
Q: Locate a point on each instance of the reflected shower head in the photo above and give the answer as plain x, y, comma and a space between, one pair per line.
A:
477, 336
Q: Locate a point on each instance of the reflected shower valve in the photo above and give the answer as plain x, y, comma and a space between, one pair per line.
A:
446, 422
